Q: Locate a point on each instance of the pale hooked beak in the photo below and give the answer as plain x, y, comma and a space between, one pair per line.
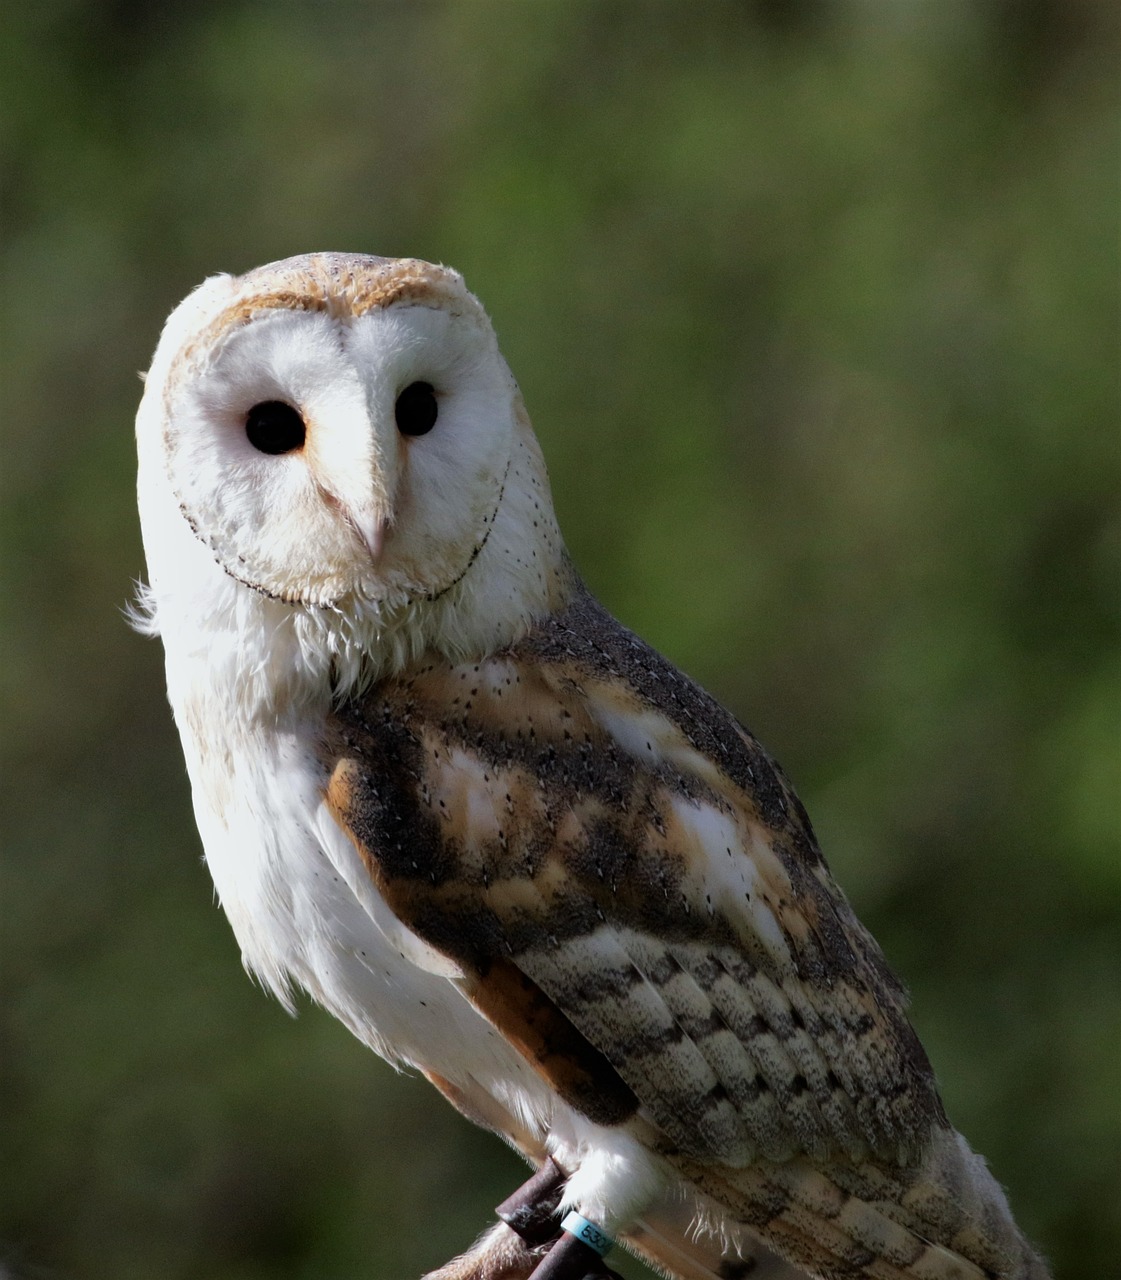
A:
370, 527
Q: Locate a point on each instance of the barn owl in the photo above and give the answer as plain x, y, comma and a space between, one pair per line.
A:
505, 842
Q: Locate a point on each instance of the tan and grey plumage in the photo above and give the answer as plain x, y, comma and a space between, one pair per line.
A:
499, 836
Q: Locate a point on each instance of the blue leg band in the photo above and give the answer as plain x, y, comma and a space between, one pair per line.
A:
587, 1232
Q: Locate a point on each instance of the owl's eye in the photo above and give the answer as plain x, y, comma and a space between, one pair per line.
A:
416, 409
274, 427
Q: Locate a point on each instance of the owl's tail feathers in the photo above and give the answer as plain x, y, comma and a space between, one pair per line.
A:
946, 1219
674, 1241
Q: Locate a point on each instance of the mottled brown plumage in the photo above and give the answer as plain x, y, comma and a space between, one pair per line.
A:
507, 825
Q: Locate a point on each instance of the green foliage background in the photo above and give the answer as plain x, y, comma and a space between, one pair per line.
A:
815, 306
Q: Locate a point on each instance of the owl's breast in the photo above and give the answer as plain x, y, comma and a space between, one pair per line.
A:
307, 915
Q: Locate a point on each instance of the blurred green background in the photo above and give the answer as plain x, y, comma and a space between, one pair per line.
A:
815, 307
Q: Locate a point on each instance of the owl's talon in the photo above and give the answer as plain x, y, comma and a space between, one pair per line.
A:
532, 1210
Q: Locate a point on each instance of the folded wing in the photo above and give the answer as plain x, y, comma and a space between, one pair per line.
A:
633, 895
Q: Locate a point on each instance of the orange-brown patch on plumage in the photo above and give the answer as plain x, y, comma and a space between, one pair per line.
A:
580, 1073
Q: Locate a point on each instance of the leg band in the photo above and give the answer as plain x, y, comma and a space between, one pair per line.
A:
577, 1225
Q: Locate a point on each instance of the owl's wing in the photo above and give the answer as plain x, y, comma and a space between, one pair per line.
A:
634, 896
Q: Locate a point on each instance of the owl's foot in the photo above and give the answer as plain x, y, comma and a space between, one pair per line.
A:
529, 1242
501, 1254
531, 1212
572, 1259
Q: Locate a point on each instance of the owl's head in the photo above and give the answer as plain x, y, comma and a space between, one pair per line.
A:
341, 436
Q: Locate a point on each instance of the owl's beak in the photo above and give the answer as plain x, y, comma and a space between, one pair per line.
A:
370, 527
352, 485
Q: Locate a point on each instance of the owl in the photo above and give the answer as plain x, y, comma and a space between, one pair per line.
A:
506, 843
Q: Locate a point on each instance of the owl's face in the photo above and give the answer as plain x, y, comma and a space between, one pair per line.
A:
337, 428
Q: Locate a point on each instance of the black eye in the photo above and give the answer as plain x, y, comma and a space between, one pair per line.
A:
416, 409
274, 427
